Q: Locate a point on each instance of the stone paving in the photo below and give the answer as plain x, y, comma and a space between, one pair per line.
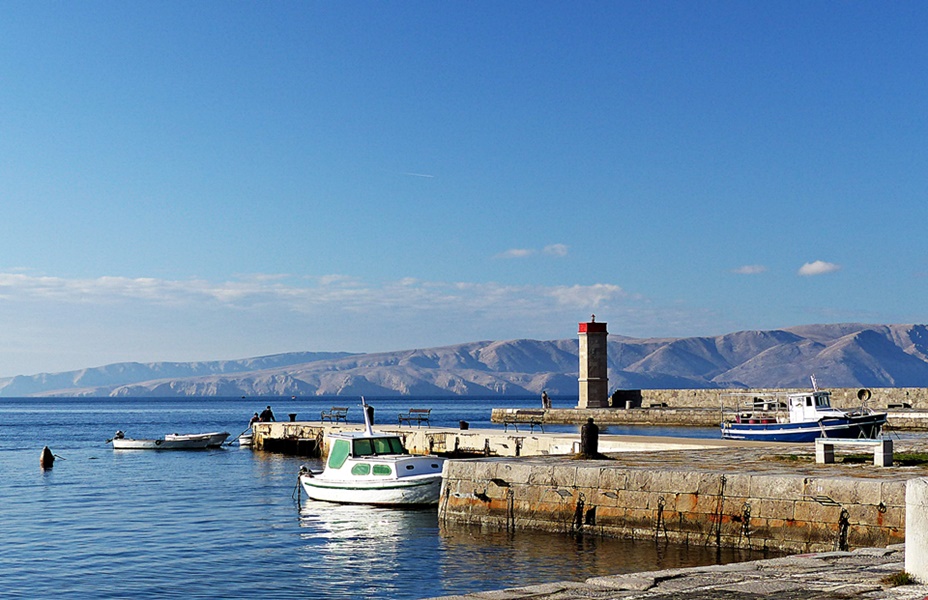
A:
770, 458
859, 574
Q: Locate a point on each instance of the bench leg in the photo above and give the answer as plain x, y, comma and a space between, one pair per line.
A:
883, 454
824, 453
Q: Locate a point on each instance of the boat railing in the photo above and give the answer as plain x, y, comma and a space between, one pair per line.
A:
748, 407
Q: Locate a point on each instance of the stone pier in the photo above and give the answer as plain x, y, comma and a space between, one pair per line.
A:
757, 498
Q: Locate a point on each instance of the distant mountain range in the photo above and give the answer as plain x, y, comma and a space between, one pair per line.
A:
843, 355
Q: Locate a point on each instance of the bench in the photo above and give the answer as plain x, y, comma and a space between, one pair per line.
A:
882, 450
531, 417
415, 414
335, 414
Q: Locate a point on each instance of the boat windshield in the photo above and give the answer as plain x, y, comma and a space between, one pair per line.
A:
371, 446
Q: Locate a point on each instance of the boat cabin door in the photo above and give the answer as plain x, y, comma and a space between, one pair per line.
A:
802, 409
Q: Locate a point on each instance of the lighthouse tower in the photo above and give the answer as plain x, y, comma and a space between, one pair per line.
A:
594, 379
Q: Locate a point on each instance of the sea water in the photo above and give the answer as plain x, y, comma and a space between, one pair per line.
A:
230, 523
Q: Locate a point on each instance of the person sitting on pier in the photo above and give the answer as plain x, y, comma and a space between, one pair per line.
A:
254, 419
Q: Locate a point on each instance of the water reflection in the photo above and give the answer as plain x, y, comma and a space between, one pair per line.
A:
369, 551
526, 557
387, 553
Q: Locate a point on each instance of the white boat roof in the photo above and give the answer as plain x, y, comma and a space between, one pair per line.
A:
356, 435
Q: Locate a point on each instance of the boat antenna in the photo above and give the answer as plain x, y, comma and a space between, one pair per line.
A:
367, 417
814, 385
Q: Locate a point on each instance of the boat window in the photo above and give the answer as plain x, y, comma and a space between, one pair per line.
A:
382, 470
821, 401
391, 445
382, 446
808, 400
361, 469
363, 448
338, 454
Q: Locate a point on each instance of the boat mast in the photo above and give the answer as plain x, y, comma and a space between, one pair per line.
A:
367, 417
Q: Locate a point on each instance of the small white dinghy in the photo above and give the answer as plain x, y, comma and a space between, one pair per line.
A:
192, 442
369, 468
216, 438
246, 439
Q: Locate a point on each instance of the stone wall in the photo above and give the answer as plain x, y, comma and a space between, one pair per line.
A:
841, 397
793, 513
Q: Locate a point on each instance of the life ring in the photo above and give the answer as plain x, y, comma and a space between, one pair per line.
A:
158, 442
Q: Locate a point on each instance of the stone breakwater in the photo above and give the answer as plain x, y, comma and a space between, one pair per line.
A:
773, 498
861, 574
674, 416
906, 408
881, 398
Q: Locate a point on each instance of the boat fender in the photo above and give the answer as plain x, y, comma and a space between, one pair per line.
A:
47, 461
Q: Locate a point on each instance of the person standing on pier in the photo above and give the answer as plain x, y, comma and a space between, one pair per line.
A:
267, 415
545, 400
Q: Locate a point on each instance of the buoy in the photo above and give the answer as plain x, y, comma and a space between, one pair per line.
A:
48, 459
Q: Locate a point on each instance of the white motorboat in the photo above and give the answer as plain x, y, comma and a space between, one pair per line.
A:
215, 438
246, 439
373, 468
195, 442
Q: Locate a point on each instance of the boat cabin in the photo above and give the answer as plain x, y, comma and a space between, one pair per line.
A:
363, 447
811, 406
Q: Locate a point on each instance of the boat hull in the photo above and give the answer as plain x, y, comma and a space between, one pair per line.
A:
859, 426
214, 439
185, 444
420, 490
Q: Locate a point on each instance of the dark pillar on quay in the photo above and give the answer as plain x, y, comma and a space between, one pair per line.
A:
589, 439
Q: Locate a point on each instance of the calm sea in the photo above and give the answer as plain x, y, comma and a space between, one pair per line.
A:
227, 523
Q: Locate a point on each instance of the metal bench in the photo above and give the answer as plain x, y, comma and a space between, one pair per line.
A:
882, 449
335, 414
530, 417
415, 414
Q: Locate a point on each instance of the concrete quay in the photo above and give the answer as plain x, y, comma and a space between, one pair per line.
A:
860, 574
308, 438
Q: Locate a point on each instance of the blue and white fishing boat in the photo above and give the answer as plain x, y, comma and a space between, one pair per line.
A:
364, 467
797, 417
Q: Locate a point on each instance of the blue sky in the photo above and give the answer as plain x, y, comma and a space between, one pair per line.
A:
215, 180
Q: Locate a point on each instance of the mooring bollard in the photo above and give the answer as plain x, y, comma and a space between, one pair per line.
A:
916, 529
589, 439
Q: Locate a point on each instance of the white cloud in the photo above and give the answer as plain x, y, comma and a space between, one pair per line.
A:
818, 267
556, 250
583, 296
549, 250
57, 323
750, 270
516, 253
